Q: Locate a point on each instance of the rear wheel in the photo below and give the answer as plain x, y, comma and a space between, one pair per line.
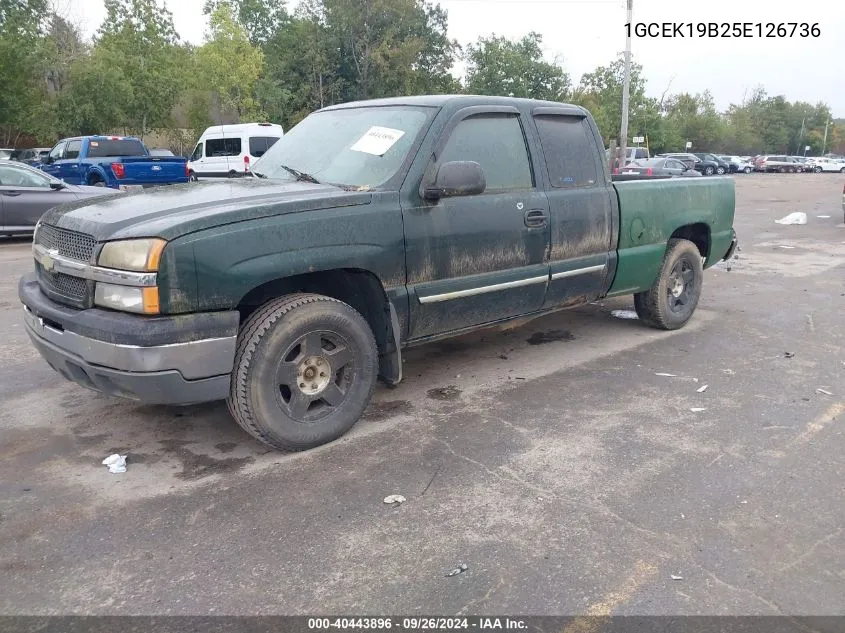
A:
708, 171
672, 300
842, 171
305, 369
96, 181
720, 171
817, 169
747, 170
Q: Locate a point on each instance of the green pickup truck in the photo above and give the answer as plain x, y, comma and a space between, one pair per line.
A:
368, 228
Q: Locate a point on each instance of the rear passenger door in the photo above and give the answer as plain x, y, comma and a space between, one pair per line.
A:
583, 205
481, 258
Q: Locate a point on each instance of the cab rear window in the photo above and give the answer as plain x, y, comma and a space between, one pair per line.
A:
124, 147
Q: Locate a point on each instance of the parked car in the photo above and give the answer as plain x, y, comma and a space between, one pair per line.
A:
6, 154
112, 161
779, 163
227, 151
738, 164
818, 165
161, 152
631, 154
705, 167
26, 193
659, 167
32, 156
369, 227
722, 166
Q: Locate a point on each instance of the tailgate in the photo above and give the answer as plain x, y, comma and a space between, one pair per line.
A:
142, 170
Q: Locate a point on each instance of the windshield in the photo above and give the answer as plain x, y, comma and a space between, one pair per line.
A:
356, 147
100, 148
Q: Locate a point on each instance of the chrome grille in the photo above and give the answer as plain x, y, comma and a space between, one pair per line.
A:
71, 244
63, 288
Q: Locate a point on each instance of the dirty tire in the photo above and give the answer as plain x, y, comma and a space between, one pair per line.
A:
282, 348
672, 300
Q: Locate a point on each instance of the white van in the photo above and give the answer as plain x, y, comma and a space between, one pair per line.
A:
228, 151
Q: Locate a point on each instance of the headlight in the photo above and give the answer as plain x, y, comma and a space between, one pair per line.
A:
136, 255
127, 298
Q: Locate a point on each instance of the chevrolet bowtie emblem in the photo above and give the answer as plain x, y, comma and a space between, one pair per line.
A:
47, 260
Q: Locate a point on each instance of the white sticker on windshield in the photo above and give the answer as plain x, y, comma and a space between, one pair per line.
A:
377, 140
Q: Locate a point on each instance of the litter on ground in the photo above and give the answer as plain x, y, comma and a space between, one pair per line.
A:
824, 391
676, 577
395, 499
793, 218
625, 314
116, 463
458, 570
702, 388
823, 217
698, 409
666, 375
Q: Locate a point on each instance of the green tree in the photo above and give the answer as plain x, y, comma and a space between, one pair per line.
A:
601, 92
261, 18
694, 118
139, 38
498, 66
389, 47
22, 81
230, 66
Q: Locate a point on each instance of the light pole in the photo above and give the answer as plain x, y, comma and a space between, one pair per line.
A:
626, 86
824, 142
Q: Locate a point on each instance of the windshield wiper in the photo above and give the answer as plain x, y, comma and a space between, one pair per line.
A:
300, 175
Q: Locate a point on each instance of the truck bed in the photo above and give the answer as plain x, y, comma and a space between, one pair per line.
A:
649, 211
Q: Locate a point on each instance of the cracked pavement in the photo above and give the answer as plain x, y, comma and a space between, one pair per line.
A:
547, 456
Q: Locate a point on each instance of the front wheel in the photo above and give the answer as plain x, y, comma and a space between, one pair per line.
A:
747, 170
817, 170
672, 299
192, 177
708, 171
842, 171
305, 369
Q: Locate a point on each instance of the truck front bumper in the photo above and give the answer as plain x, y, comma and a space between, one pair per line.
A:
178, 360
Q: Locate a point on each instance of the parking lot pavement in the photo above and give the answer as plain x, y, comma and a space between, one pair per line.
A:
549, 457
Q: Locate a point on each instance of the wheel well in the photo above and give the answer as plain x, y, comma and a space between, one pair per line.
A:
95, 176
360, 289
698, 234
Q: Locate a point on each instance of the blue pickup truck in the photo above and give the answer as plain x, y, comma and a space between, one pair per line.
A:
119, 162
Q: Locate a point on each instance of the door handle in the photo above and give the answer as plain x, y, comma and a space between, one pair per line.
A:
11, 194
535, 218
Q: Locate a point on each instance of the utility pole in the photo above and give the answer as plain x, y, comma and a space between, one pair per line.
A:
626, 86
824, 142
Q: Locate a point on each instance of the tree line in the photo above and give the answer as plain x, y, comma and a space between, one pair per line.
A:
260, 61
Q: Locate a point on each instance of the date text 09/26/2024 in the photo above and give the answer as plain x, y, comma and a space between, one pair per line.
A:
723, 29
417, 623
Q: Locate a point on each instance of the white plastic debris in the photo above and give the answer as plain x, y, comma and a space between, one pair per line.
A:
666, 375
395, 499
797, 217
625, 314
785, 246
824, 391
823, 217
116, 463
676, 577
698, 409
702, 388
458, 570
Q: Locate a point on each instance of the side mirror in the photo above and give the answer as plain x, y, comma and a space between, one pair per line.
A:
456, 178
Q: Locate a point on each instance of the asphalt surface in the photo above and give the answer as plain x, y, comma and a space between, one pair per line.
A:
550, 458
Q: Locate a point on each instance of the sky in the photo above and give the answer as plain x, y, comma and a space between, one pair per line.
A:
584, 34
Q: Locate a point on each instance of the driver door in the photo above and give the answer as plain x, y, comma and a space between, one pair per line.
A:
479, 258
56, 154
27, 196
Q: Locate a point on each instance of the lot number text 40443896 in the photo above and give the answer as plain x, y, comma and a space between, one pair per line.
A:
722, 29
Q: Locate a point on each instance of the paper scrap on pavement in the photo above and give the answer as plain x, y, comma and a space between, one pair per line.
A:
702, 389
377, 140
793, 218
666, 375
624, 314
698, 409
116, 463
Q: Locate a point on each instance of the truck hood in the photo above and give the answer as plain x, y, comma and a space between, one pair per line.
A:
170, 212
